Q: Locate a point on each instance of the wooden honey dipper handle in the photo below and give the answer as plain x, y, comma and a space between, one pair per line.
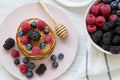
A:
48, 13
59, 28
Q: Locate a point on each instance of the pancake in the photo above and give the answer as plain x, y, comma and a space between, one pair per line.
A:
44, 52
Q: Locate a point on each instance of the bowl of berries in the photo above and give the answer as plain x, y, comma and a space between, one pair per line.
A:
102, 22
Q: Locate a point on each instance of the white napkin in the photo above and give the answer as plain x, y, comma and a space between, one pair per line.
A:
98, 66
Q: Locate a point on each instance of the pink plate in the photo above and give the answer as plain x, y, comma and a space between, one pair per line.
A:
68, 47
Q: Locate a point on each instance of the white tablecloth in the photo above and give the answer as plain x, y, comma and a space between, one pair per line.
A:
75, 14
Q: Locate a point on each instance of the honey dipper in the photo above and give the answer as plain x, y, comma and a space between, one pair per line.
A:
60, 29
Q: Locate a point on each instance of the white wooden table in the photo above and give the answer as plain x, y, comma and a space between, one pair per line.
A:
75, 14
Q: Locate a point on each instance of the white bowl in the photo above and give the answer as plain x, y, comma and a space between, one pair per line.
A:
93, 43
78, 3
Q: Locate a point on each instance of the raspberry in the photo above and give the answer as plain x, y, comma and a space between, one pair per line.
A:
41, 25
95, 9
106, 15
36, 51
105, 9
101, 4
26, 27
115, 49
24, 40
47, 39
107, 38
97, 36
100, 21
15, 53
23, 68
90, 19
113, 17
91, 28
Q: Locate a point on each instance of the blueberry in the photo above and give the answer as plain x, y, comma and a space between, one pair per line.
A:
118, 12
16, 61
31, 65
106, 1
61, 56
55, 64
25, 60
117, 0
29, 74
53, 57
33, 24
29, 46
114, 4
119, 5
20, 33
46, 31
42, 45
